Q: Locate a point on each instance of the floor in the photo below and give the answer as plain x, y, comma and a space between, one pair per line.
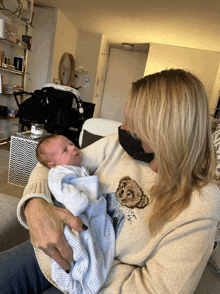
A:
5, 187
5, 144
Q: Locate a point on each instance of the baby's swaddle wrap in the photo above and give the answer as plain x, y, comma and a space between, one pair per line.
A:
93, 249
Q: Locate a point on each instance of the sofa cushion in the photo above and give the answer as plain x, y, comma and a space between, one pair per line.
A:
89, 138
209, 282
11, 231
99, 126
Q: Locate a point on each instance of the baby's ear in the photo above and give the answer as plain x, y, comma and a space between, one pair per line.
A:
51, 165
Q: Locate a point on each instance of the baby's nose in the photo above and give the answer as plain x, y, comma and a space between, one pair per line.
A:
74, 148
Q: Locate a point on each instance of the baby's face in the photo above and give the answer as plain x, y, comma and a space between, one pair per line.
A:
64, 152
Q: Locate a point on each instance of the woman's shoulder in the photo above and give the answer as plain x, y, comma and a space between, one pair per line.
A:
210, 193
204, 206
206, 202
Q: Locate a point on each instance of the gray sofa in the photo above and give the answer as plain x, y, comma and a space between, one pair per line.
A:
12, 233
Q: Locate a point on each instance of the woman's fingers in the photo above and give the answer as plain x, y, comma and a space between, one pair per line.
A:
46, 224
74, 222
64, 249
55, 254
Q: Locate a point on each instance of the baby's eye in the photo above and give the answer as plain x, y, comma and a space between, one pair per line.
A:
65, 149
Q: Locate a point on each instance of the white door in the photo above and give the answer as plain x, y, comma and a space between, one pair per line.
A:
124, 68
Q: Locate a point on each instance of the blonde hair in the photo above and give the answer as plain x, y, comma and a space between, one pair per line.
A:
42, 154
169, 112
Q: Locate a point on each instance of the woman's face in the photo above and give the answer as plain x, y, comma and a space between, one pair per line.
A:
146, 148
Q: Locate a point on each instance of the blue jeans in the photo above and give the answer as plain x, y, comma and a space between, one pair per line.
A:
21, 274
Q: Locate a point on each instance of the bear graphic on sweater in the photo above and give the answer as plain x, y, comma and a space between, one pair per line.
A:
129, 194
121, 204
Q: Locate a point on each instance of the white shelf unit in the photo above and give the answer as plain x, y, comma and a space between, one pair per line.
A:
11, 75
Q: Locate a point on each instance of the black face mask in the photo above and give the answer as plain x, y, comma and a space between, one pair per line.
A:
133, 146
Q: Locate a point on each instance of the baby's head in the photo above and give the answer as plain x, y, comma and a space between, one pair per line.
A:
57, 150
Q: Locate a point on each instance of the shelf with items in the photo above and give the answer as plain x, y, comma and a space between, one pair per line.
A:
15, 71
19, 21
6, 94
9, 89
15, 43
19, 45
14, 30
8, 112
3, 118
13, 34
13, 61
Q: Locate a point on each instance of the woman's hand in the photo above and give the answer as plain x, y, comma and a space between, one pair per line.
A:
46, 224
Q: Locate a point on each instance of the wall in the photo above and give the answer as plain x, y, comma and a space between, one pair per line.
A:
40, 59
203, 63
124, 67
87, 55
53, 35
181, 23
65, 41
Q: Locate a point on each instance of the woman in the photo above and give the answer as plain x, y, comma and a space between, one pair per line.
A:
163, 203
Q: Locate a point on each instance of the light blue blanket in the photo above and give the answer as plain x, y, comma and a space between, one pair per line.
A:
93, 249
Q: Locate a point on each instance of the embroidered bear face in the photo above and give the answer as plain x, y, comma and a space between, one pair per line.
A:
129, 194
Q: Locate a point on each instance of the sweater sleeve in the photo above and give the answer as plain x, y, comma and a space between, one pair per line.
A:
37, 186
175, 268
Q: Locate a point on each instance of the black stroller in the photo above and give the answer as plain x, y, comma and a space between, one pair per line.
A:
61, 112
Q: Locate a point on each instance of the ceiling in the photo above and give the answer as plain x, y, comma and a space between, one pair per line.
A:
188, 23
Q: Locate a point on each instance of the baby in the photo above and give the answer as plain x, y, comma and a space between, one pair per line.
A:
57, 150
71, 185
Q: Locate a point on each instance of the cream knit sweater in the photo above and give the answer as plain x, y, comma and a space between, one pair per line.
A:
171, 262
